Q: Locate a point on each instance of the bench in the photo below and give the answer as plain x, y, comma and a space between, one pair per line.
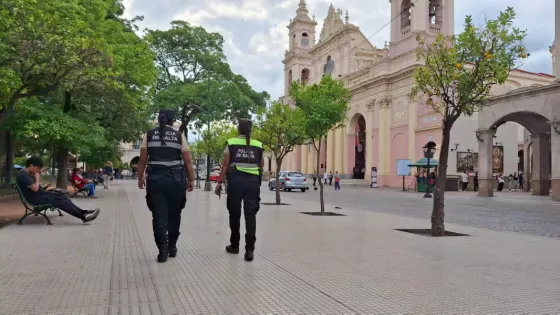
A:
84, 191
34, 209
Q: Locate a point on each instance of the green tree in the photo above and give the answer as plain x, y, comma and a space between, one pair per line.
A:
195, 78
214, 140
111, 95
281, 128
45, 45
324, 106
456, 79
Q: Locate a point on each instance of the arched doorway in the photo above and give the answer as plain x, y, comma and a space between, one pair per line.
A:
492, 155
358, 126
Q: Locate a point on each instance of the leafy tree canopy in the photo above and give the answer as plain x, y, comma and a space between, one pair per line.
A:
324, 106
213, 141
460, 70
195, 78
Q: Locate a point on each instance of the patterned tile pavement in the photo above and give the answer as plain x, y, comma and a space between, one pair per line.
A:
357, 264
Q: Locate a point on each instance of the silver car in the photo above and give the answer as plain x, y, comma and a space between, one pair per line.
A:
290, 180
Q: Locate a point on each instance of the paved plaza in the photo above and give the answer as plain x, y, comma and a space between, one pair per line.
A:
355, 264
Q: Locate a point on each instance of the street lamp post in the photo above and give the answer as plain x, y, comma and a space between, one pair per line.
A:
429, 149
207, 183
197, 161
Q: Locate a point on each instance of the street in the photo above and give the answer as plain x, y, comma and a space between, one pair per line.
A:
510, 211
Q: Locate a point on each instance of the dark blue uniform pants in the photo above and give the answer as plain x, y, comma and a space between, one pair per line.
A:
166, 197
246, 188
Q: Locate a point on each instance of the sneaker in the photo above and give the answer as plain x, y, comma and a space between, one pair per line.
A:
92, 216
86, 212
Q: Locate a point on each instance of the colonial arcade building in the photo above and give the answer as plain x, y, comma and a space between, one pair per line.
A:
383, 125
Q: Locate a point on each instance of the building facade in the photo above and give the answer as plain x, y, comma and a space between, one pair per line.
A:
383, 125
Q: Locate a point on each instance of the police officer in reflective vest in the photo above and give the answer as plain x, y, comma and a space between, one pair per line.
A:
243, 163
165, 152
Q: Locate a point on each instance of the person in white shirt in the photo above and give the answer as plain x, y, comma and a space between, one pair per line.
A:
464, 180
325, 177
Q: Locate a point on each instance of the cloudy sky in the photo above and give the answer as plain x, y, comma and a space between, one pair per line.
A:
256, 35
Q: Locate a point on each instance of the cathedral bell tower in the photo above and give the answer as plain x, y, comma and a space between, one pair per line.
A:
297, 59
412, 17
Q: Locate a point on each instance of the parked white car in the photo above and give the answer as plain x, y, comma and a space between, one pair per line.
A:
290, 180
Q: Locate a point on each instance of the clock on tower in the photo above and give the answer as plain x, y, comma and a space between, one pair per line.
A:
304, 42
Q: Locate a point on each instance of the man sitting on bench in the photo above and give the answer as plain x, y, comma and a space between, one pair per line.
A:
28, 181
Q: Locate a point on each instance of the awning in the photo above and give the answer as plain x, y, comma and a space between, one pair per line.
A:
423, 162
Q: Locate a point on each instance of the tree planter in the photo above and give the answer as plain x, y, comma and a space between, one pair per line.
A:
324, 214
427, 232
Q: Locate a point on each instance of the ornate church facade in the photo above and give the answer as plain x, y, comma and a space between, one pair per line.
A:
382, 125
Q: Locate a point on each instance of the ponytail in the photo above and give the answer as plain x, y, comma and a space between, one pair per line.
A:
166, 117
245, 128
162, 120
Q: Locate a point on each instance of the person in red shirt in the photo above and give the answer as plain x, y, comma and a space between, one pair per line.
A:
82, 183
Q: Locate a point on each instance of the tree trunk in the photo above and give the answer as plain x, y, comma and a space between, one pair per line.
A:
277, 176
7, 153
438, 211
320, 179
62, 152
62, 175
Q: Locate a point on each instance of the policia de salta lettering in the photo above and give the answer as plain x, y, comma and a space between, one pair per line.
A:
165, 157
243, 164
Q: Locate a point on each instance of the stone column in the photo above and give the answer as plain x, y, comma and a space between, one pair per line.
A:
527, 166
485, 174
340, 153
304, 168
330, 151
555, 164
311, 158
557, 38
541, 167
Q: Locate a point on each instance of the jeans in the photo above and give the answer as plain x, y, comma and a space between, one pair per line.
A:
336, 185
91, 188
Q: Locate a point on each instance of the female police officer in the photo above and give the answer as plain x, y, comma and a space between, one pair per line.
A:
243, 163
166, 153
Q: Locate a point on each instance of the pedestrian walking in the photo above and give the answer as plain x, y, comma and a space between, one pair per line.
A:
330, 178
464, 181
501, 181
325, 177
521, 181
165, 152
314, 178
242, 167
475, 182
336, 181
107, 174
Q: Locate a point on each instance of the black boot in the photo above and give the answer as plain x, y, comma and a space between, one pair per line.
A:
172, 248
232, 250
163, 253
249, 255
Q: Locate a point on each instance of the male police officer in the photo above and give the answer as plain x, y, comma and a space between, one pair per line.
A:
243, 163
166, 152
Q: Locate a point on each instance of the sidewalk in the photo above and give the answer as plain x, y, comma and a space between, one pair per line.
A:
357, 264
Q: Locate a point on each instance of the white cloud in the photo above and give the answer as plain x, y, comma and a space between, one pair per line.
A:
256, 36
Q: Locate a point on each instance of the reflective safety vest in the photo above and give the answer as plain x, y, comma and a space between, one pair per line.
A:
245, 158
166, 155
